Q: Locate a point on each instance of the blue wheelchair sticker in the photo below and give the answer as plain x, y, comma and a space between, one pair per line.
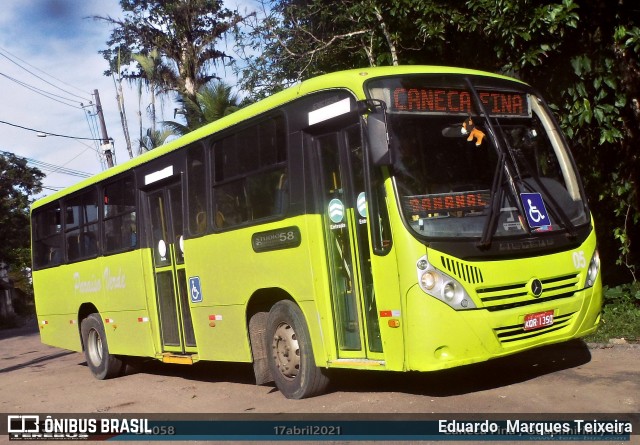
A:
535, 210
195, 290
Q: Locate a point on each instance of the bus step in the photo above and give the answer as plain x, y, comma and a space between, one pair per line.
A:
178, 359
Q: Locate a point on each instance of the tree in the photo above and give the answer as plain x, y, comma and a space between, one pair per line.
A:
213, 102
294, 40
600, 112
18, 182
183, 32
152, 68
584, 54
153, 139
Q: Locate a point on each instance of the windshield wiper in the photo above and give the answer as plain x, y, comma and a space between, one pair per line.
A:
497, 190
497, 193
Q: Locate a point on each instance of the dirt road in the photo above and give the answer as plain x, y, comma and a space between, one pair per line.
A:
567, 378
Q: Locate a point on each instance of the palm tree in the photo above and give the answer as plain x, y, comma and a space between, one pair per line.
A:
153, 139
214, 101
157, 76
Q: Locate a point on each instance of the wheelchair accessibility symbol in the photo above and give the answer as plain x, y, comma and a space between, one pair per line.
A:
535, 210
195, 290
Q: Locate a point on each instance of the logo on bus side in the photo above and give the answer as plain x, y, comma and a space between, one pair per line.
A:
277, 239
336, 213
362, 205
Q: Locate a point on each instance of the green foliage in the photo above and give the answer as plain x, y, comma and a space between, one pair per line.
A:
294, 40
18, 182
153, 139
599, 113
620, 314
524, 31
213, 101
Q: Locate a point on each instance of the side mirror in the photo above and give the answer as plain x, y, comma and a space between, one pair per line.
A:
377, 131
378, 139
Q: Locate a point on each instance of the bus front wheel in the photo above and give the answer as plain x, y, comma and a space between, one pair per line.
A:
102, 364
291, 363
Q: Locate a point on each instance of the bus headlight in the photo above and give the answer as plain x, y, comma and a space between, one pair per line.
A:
441, 286
449, 291
428, 280
594, 268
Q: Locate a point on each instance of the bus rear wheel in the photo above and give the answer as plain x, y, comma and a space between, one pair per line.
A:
102, 364
291, 362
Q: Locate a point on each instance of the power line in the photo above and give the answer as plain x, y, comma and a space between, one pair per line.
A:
44, 93
47, 74
60, 99
46, 133
52, 168
93, 125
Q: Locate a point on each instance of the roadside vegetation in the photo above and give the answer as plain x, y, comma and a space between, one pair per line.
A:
620, 315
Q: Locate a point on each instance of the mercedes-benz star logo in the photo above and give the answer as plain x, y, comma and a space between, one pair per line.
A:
536, 287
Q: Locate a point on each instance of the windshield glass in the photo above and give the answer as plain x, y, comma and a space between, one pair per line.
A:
445, 160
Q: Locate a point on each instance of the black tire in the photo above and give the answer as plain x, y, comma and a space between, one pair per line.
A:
102, 364
291, 360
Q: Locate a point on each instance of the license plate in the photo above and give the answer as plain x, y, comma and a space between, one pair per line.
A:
538, 320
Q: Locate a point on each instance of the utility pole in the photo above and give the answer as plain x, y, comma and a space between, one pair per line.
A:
107, 146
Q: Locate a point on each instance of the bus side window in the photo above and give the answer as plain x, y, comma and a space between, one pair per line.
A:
47, 237
119, 215
250, 174
81, 225
196, 190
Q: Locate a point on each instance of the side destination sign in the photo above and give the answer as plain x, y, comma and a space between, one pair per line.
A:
285, 238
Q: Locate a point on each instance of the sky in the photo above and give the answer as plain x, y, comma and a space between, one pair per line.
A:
52, 46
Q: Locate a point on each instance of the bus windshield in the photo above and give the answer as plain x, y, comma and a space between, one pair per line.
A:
445, 160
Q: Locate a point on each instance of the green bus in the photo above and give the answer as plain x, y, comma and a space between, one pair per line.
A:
409, 218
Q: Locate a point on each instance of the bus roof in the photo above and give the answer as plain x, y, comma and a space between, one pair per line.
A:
350, 79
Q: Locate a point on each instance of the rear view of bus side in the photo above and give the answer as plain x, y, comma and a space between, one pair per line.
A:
402, 218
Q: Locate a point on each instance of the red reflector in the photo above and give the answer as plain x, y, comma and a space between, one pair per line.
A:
385, 313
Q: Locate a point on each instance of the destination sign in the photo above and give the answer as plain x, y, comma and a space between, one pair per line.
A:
454, 101
426, 205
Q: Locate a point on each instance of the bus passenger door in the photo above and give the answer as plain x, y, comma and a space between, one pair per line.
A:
347, 243
167, 243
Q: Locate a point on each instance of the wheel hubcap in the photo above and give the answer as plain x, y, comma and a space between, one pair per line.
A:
94, 347
286, 351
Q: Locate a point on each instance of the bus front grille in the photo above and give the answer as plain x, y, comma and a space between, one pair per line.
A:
500, 298
511, 334
470, 274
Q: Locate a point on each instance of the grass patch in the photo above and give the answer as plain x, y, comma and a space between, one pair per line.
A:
620, 314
